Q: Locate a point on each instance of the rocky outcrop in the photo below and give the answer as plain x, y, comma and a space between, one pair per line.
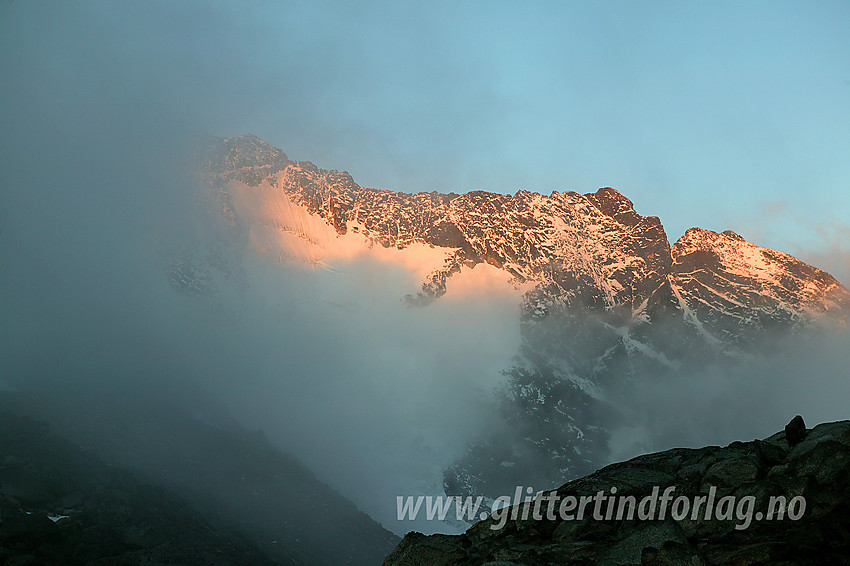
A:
808, 470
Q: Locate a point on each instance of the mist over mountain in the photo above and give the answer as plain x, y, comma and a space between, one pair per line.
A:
607, 312
261, 346
395, 343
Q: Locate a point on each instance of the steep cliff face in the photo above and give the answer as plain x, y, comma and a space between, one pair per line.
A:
606, 300
806, 472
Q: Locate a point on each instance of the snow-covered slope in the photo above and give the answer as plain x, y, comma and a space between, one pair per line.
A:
739, 290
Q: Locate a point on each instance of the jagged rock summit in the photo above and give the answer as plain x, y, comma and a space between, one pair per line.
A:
588, 251
809, 472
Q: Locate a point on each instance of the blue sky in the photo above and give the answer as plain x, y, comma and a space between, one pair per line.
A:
717, 114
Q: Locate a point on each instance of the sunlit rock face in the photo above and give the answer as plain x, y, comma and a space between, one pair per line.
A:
605, 303
738, 290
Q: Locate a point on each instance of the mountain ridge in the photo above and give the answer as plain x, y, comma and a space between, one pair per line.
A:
606, 301
631, 251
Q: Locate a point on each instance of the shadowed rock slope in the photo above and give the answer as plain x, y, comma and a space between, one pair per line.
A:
62, 505
814, 464
229, 479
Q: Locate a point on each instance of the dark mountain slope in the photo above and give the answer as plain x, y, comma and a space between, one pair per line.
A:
232, 478
63, 505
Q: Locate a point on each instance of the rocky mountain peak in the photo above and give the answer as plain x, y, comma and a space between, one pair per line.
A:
606, 300
615, 204
740, 289
246, 158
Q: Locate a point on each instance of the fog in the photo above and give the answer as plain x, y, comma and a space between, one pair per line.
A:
374, 397
742, 399
98, 113
99, 193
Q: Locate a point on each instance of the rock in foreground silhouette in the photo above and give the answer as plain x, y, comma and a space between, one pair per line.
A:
814, 467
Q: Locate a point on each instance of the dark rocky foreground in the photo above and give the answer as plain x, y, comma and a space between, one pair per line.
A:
814, 464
